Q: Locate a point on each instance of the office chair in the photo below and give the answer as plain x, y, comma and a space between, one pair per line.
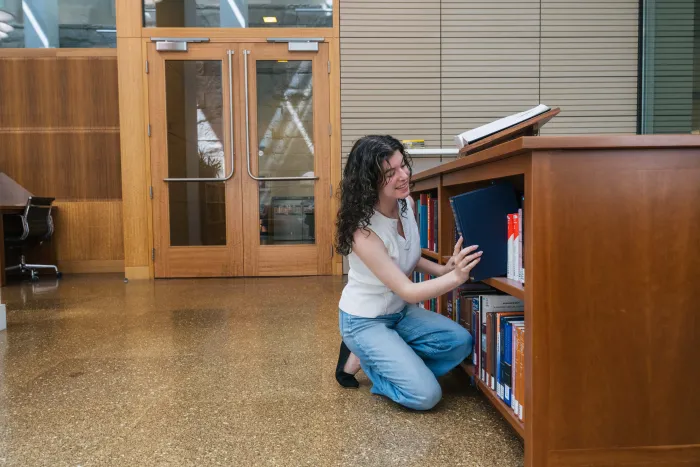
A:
32, 227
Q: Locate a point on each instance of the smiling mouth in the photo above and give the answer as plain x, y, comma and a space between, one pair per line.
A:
402, 187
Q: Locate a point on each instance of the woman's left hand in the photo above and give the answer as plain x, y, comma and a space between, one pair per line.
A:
451, 262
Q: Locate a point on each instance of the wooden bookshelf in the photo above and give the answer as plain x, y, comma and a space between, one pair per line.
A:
508, 286
430, 254
611, 302
511, 287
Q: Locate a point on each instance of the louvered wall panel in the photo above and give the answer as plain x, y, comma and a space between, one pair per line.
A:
589, 65
490, 62
390, 70
671, 52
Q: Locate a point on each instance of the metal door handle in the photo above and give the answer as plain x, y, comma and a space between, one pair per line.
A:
230, 122
247, 131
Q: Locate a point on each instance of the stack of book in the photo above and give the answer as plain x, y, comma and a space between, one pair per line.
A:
427, 208
498, 329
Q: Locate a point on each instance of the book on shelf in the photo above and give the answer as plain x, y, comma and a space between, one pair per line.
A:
479, 218
427, 209
484, 131
516, 269
518, 368
430, 304
482, 306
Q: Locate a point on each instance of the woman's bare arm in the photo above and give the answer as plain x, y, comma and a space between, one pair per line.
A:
371, 250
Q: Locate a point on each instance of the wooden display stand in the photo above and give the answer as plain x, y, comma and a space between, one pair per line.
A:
612, 302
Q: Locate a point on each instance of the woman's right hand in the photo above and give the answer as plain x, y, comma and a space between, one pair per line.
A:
465, 262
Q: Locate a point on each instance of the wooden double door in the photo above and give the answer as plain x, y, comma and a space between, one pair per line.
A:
240, 160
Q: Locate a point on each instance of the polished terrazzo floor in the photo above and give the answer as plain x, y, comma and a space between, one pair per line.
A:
94, 371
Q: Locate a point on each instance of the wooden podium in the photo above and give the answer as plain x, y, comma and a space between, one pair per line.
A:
612, 294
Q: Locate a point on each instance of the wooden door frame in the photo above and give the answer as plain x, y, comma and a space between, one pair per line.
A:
132, 41
193, 261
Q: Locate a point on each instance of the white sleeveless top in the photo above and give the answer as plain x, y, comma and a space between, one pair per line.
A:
365, 295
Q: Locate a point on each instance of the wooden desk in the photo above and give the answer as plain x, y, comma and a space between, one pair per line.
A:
14, 198
611, 295
5, 209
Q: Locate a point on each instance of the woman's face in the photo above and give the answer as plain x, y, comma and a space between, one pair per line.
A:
396, 176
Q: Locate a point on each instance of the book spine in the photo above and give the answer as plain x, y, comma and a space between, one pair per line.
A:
510, 246
429, 202
516, 247
476, 337
493, 355
485, 349
513, 367
509, 355
457, 225
456, 308
521, 381
522, 242
499, 356
423, 221
519, 267
436, 224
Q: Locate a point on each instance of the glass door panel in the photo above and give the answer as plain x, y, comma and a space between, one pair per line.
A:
285, 149
195, 146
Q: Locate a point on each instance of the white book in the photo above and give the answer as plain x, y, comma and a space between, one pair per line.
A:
520, 274
475, 134
510, 273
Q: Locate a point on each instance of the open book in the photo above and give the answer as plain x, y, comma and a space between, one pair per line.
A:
471, 136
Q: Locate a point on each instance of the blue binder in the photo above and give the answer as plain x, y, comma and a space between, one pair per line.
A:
481, 217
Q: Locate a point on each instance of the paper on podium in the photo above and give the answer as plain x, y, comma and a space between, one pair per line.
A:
483, 131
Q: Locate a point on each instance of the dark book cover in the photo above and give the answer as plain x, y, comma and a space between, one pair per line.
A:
481, 216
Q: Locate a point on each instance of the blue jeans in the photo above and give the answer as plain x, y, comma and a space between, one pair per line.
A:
404, 353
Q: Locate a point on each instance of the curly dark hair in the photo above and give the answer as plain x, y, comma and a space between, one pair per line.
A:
363, 178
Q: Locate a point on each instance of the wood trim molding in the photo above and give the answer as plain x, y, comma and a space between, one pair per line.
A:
137, 273
637, 456
129, 18
91, 266
135, 181
235, 35
336, 142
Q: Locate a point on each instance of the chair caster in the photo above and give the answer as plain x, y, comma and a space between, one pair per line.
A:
126, 280
35, 277
59, 275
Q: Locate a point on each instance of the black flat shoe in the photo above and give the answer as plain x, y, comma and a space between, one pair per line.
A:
344, 379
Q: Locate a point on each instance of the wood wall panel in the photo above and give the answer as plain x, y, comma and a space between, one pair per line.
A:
59, 125
59, 92
89, 233
59, 137
63, 165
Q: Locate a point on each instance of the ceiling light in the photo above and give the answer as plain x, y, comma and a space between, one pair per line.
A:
269, 19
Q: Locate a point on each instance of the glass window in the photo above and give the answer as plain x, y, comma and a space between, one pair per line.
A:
670, 67
238, 13
57, 23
